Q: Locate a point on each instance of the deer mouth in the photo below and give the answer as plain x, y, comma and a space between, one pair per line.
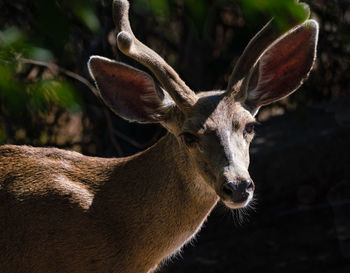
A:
237, 204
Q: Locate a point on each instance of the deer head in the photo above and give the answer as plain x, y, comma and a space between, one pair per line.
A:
214, 128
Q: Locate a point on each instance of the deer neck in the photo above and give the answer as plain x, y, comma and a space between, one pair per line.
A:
166, 168
169, 199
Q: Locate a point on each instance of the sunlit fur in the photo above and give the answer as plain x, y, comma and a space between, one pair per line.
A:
65, 212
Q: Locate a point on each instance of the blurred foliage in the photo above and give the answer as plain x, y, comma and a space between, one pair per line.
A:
45, 45
280, 10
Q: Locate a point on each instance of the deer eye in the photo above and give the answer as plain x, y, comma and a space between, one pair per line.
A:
189, 139
249, 129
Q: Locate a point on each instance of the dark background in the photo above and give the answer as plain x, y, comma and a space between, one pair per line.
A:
299, 159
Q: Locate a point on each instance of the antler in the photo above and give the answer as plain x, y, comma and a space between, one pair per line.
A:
257, 45
183, 96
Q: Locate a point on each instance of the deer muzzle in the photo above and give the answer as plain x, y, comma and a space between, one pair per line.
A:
237, 194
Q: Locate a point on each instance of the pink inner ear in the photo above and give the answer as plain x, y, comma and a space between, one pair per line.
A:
130, 93
283, 67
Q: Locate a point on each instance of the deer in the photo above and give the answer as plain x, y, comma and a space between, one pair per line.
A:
62, 211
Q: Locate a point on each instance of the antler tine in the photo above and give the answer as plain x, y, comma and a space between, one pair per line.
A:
257, 45
183, 96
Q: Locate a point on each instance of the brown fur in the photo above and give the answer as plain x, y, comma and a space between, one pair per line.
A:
65, 212
62, 212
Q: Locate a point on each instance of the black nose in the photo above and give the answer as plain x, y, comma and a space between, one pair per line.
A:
238, 191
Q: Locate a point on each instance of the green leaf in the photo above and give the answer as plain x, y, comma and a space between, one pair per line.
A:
87, 16
160, 7
50, 92
283, 11
10, 36
40, 54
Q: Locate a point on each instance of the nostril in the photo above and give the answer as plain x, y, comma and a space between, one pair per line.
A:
249, 185
229, 188
238, 191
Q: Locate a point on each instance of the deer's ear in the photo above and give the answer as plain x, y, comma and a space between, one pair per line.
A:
130, 93
283, 66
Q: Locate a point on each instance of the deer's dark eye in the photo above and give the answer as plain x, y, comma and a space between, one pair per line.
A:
189, 139
249, 129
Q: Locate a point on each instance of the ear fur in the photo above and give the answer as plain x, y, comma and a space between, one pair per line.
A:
130, 93
283, 66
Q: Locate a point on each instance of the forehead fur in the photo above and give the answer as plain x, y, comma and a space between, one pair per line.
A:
215, 110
